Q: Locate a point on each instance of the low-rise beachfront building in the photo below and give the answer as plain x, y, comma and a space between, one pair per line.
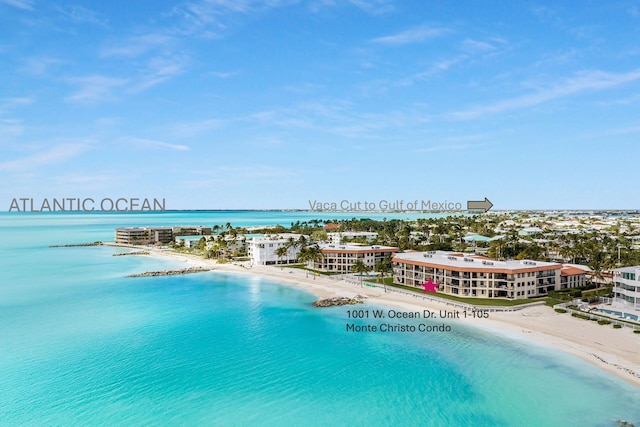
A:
530, 231
157, 235
340, 258
572, 276
189, 241
144, 235
330, 227
262, 250
473, 276
345, 236
199, 230
626, 286
133, 235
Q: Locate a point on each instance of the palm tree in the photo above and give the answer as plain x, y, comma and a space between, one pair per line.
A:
304, 257
314, 254
280, 252
359, 267
302, 241
384, 267
202, 244
291, 243
319, 236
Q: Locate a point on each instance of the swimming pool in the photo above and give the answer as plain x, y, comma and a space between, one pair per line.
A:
620, 314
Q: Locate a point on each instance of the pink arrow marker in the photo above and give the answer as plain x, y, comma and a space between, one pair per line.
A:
429, 286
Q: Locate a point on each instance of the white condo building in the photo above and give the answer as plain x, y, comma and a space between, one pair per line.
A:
626, 286
262, 250
340, 258
340, 236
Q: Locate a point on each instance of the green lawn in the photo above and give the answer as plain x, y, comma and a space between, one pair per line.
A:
553, 301
302, 267
471, 301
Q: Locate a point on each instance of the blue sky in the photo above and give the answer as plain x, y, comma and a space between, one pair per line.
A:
268, 104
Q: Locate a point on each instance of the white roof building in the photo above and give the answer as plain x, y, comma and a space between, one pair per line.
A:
339, 236
262, 250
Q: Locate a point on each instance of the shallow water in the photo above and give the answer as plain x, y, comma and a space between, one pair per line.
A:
83, 345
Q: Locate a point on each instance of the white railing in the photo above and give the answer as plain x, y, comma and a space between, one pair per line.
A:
448, 302
597, 316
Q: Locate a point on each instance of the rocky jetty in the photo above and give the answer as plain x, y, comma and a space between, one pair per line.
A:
74, 245
131, 253
330, 302
189, 270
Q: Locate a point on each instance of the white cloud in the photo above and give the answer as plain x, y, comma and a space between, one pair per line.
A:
191, 129
85, 179
20, 4
585, 81
150, 144
82, 15
138, 45
39, 66
224, 75
7, 104
437, 68
10, 128
339, 118
158, 70
246, 172
101, 88
437, 148
56, 154
94, 88
627, 100
414, 35
470, 45
622, 131
210, 17
374, 7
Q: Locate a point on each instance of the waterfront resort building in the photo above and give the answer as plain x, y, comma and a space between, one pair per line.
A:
347, 236
474, 276
156, 235
572, 276
199, 230
626, 286
340, 258
331, 227
144, 235
262, 250
188, 241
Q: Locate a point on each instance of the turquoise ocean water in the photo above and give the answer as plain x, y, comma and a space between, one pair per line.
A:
80, 344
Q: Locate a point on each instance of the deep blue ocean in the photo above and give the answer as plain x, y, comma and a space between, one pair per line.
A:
81, 344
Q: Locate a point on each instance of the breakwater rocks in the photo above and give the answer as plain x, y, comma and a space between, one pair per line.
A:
189, 270
330, 302
131, 253
75, 245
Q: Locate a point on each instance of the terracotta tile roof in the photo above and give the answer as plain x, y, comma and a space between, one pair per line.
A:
571, 271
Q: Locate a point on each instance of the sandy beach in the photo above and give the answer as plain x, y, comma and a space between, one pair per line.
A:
616, 351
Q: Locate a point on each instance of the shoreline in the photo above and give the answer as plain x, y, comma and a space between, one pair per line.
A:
616, 351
